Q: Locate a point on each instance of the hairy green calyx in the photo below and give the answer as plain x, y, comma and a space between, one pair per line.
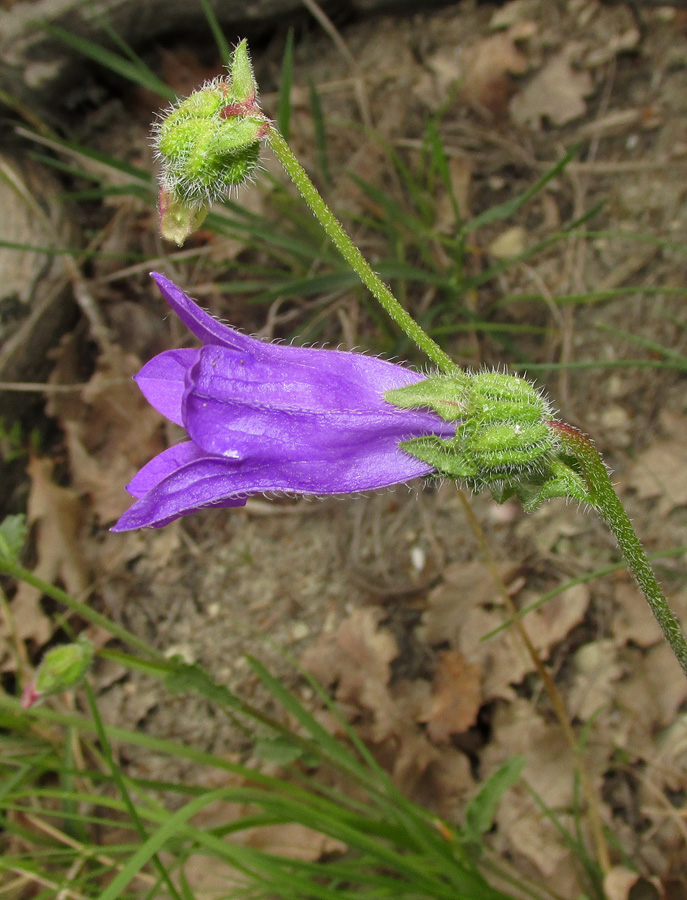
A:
504, 440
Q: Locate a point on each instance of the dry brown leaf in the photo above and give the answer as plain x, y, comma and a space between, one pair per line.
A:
653, 689
466, 607
210, 877
111, 430
486, 68
55, 513
556, 93
660, 471
357, 657
667, 766
550, 623
596, 672
549, 769
633, 620
463, 587
455, 700
509, 243
622, 884
446, 785
291, 840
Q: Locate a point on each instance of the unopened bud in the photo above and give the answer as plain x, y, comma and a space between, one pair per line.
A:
208, 144
61, 669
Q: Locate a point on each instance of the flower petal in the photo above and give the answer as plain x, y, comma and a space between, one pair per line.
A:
297, 379
212, 482
197, 485
238, 406
163, 465
239, 430
209, 330
162, 381
370, 375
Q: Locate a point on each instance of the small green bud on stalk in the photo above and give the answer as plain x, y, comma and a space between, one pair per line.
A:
61, 669
208, 145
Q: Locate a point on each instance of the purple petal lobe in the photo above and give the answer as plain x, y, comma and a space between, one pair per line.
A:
163, 465
197, 485
266, 417
162, 381
212, 482
209, 330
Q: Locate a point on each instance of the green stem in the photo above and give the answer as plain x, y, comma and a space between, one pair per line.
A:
352, 255
9, 567
606, 502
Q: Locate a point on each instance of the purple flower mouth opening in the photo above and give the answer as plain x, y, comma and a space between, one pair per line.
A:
266, 417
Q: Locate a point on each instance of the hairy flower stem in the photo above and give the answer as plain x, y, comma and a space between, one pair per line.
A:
352, 255
606, 503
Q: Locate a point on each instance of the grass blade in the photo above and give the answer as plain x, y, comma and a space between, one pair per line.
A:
507, 209
138, 73
223, 48
320, 131
285, 84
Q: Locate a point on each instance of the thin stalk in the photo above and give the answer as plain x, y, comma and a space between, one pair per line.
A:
557, 704
9, 567
606, 503
121, 785
352, 255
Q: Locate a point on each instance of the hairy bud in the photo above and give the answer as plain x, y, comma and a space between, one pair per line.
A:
61, 669
208, 144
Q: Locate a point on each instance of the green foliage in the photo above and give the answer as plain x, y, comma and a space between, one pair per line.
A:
285, 85
12, 536
205, 151
481, 810
64, 667
15, 443
504, 437
393, 847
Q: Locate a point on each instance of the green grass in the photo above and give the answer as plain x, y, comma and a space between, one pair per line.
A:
56, 800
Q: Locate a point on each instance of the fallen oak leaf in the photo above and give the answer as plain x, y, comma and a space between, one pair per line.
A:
556, 93
357, 656
487, 68
110, 429
456, 697
55, 514
659, 472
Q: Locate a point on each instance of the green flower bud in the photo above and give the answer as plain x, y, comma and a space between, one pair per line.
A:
61, 669
242, 78
208, 145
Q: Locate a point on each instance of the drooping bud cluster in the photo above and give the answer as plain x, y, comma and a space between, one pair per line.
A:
208, 144
503, 442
